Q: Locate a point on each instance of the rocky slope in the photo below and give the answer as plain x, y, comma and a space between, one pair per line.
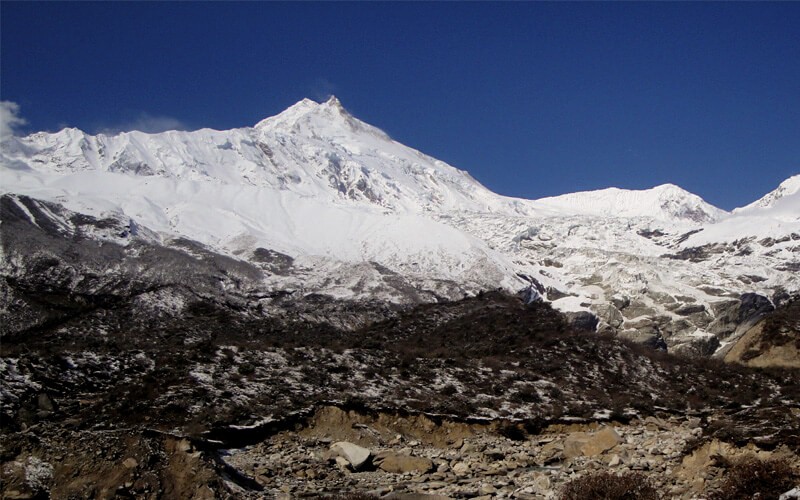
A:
214, 400
161, 371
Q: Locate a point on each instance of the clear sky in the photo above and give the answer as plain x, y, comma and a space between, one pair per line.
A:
533, 99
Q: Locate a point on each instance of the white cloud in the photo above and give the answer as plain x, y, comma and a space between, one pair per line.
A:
10, 119
147, 123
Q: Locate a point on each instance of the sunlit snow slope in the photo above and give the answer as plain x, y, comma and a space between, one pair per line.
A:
350, 205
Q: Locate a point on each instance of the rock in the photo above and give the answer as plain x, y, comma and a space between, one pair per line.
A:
130, 463
655, 423
601, 441
487, 489
342, 463
582, 320
693, 422
541, 484
581, 444
357, 456
401, 464
611, 315
45, 404
615, 461
552, 450
461, 468
573, 444
792, 494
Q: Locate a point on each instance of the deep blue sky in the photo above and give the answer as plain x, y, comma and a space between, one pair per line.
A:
533, 99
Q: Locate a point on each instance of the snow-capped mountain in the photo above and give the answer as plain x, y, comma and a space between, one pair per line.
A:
667, 201
355, 214
782, 199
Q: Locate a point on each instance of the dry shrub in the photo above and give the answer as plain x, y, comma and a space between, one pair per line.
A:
753, 478
512, 431
607, 486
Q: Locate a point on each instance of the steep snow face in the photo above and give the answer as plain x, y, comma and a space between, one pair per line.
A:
775, 216
665, 202
313, 150
782, 203
356, 161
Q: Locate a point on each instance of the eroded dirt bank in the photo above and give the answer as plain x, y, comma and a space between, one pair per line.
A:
408, 454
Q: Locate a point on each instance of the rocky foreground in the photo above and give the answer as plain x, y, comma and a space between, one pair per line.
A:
334, 451
402, 455
488, 396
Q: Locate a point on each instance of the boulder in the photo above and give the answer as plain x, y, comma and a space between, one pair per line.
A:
573, 444
461, 469
792, 494
589, 445
400, 464
355, 455
601, 441
582, 320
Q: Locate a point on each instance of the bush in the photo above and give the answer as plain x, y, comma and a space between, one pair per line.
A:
607, 486
512, 431
449, 390
753, 478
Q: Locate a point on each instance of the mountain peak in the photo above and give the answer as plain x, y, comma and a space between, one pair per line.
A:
670, 188
291, 114
334, 102
326, 119
666, 201
786, 188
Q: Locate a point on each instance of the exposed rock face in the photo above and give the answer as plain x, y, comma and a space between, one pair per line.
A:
773, 341
735, 317
583, 320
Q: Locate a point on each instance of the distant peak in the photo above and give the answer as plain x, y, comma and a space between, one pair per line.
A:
668, 187
322, 118
334, 101
302, 105
335, 105
666, 201
290, 114
786, 188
